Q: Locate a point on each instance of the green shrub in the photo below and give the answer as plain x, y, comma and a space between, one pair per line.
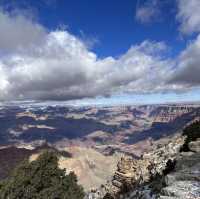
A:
41, 179
192, 133
108, 196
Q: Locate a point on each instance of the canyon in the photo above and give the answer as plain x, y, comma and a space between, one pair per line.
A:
95, 139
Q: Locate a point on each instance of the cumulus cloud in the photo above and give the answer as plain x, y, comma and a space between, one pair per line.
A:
186, 73
188, 67
57, 65
38, 64
147, 12
18, 33
188, 16
63, 68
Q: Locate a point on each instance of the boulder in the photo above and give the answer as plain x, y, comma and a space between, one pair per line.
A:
194, 146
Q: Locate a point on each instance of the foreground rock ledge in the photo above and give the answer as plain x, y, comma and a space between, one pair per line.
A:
135, 179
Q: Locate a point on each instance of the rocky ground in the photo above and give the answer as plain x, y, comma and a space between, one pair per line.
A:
184, 181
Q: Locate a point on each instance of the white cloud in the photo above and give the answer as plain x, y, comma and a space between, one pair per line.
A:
58, 65
148, 12
63, 68
18, 33
189, 16
188, 67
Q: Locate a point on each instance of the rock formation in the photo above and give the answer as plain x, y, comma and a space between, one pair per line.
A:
170, 113
162, 173
184, 181
195, 146
133, 173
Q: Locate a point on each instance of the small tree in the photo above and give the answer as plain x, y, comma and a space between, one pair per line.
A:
41, 179
192, 133
108, 196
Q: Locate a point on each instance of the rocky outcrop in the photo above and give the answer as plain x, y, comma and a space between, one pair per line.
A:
170, 113
162, 173
131, 173
195, 146
184, 181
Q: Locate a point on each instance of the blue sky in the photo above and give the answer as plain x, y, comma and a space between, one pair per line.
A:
110, 24
126, 50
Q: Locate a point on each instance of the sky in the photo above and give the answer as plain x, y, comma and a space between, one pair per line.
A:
92, 51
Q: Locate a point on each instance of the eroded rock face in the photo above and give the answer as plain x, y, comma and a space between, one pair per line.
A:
162, 173
132, 174
183, 181
170, 113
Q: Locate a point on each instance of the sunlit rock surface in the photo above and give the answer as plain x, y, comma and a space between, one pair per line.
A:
163, 173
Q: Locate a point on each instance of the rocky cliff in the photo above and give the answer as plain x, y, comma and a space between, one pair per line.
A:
133, 174
165, 172
170, 113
